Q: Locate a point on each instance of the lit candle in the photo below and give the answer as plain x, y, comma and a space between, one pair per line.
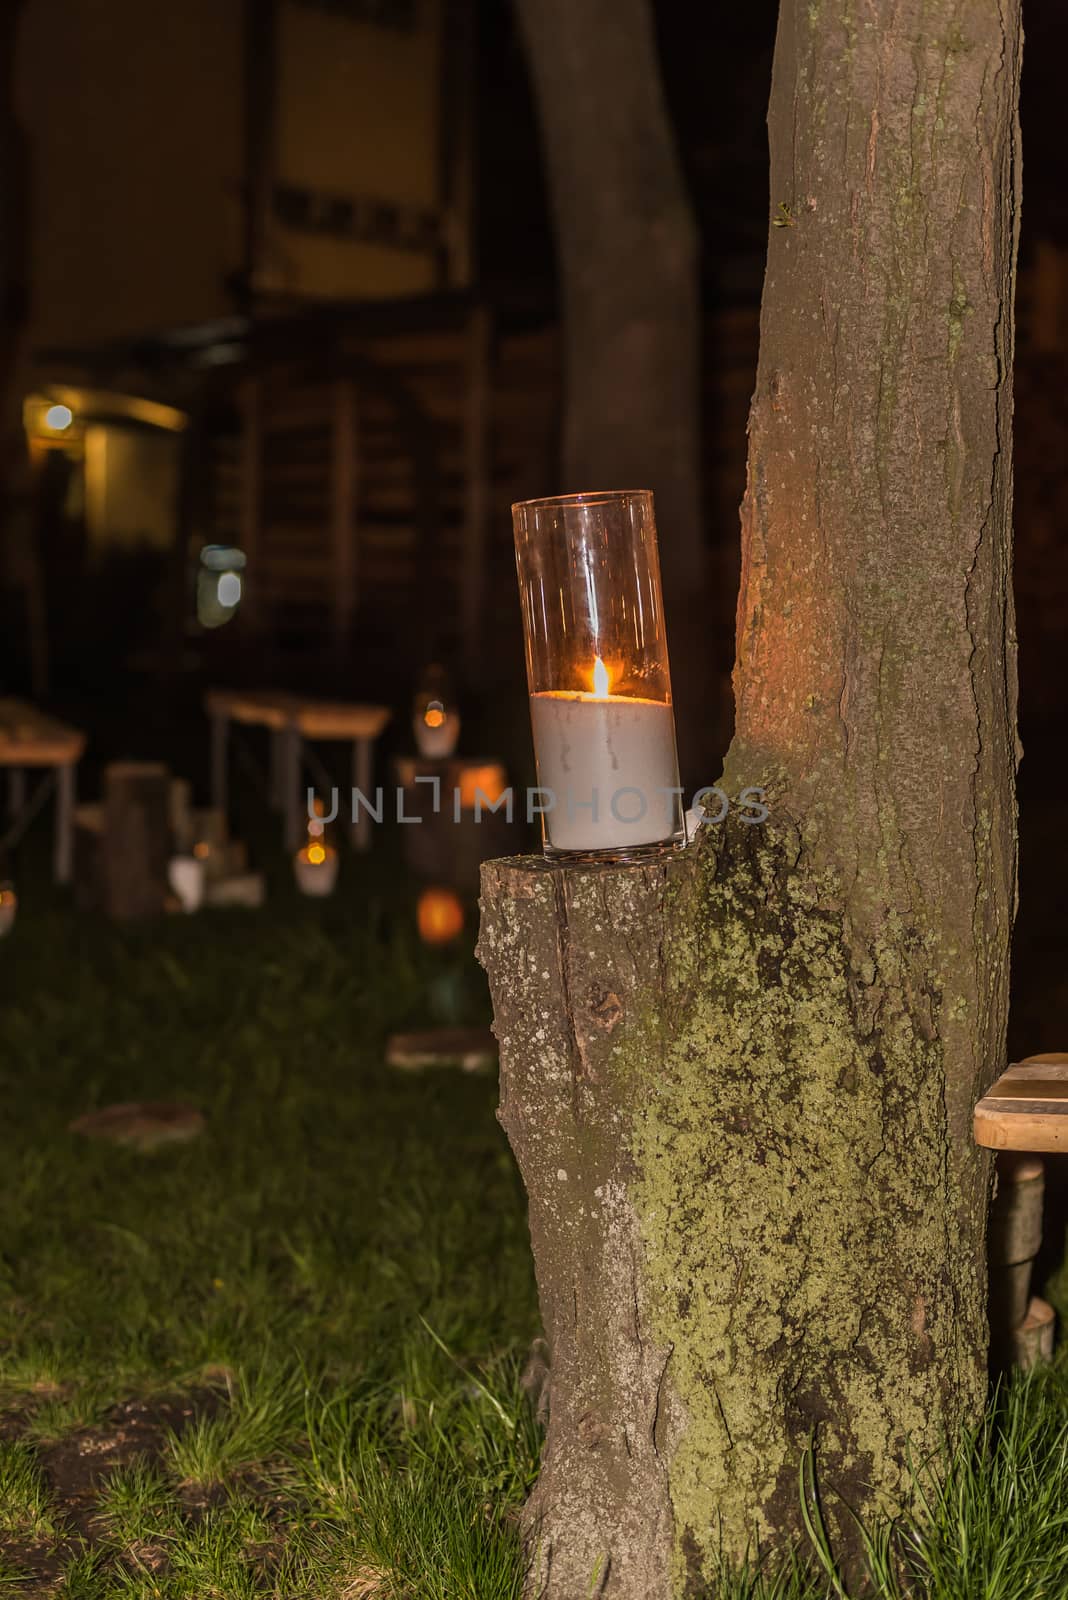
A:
435, 720
315, 868
609, 764
315, 864
597, 672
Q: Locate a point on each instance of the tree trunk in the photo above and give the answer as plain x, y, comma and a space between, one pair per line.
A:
740, 1085
627, 246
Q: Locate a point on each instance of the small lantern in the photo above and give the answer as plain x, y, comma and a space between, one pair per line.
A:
9, 905
439, 915
435, 719
316, 863
220, 582
597, 670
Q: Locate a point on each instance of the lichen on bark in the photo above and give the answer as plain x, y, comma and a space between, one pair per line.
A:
793, 1204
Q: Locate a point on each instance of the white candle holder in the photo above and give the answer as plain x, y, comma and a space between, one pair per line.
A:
186, 876
597, 669
315, 869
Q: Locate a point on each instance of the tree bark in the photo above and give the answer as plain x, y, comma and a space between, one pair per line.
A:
627, 248
740, 1085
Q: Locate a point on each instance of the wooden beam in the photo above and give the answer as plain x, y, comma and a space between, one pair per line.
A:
260, 89
343, 486
251, 511
477, 464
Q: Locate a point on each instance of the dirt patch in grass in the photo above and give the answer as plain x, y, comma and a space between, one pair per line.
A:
75, 1469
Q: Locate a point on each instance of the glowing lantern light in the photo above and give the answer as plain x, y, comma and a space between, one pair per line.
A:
315, 865
58, 418
440, 916
435, 720
484, 784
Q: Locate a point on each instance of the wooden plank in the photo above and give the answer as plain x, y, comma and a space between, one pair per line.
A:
326, 719
251, 497
258, 707
30, 738
1027, 1108
343, 488
477, 487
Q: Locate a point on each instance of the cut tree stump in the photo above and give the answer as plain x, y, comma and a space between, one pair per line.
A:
470, 1049
136, 842
1032, 1341
141, 1124
728, 1264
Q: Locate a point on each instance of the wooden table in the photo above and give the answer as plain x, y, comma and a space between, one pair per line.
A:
293, 721
1027, 1108
30, 739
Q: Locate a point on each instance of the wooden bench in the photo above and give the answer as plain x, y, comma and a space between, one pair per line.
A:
1027, 1108
30, 739
294, 721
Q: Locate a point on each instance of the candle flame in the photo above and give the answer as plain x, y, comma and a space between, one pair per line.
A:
600, 679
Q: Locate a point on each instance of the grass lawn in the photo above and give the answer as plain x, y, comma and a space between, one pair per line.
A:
284, 1359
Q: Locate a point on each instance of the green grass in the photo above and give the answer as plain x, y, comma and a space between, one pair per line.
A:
25, 1504
334, 1283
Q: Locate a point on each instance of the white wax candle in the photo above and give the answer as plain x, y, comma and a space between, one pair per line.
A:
610, 764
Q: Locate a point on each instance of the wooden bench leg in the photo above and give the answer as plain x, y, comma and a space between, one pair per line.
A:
362, 750
220, 774
278, 769
295, 821
65, 795
16, 792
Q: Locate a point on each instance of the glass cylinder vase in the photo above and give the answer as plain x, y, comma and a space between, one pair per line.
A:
597, 672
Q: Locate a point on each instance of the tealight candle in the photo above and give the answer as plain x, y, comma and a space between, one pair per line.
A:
597, 668
435, 721
315, 868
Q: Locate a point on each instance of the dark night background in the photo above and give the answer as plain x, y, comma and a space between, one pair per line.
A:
100, 624
279, 306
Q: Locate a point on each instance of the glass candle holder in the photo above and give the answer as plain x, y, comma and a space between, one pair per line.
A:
597, 671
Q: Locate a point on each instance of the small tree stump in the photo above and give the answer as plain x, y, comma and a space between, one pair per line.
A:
1032, 1341
136, 842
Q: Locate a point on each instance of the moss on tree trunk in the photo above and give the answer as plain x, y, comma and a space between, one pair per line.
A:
739, 1084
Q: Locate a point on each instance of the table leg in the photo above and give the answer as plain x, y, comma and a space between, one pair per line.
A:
220, 738
16, 791
65, 792
293, 808
278, 770
362, 750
